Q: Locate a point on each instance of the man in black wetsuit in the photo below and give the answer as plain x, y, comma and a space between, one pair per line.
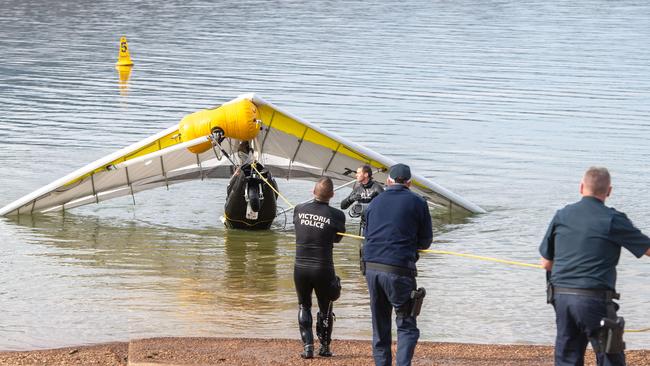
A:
316, 226
364, 190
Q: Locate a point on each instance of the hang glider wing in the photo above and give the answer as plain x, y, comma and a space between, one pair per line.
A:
290, 147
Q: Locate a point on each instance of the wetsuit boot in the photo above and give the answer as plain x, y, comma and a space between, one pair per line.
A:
305, 324
324, 327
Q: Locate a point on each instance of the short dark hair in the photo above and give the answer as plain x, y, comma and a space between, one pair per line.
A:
597, 180
324, 189
367, 169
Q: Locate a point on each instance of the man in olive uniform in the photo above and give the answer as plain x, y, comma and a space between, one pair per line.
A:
581, 249
317, 225
398, 223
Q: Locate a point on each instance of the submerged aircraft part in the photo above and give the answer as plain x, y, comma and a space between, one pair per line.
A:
251, 203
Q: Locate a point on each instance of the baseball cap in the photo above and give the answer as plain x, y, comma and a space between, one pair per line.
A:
398, 171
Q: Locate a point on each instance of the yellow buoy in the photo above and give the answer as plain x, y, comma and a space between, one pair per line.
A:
123, 58
238, 120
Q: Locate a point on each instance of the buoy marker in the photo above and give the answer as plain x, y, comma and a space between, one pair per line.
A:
123, 58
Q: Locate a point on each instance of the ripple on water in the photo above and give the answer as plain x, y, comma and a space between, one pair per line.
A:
505, 104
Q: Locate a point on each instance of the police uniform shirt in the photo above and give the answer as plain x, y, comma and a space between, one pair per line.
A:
398, 223
316, 225
584, 241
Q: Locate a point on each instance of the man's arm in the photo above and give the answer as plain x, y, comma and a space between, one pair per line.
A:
346, 202
628, 236
377, 189
340, 227
354, 196
425, 233
547, 247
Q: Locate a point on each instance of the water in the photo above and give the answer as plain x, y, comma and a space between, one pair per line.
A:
503, 102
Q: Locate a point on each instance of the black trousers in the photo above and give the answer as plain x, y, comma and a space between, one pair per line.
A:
322, 280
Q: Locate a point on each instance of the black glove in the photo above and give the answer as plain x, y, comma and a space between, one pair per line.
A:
354, 197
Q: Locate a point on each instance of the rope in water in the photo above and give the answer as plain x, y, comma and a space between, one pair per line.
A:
460, 254
491, 259
444, 252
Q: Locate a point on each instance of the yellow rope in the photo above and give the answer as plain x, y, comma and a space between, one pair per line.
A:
445, 252
461, 254
271, 185
637, 330
351, 236
487, 259
481, 258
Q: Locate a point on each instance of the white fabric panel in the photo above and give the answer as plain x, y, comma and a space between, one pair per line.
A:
65, 194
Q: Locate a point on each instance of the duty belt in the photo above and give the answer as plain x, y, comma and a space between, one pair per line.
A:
605, 294
402, 271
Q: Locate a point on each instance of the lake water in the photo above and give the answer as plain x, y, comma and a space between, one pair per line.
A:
504, 102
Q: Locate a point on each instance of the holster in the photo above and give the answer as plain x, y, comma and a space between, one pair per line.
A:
417, 298
611, 335
414, 305
550, 293
610, 339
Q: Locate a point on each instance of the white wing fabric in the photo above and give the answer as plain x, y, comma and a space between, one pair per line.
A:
290, 147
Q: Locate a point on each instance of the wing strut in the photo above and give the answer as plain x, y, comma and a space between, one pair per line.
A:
331, 158
92, 183
295, 153
128, 182
198, 163
268, 130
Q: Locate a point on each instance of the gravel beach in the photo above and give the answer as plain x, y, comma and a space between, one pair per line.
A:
248, 351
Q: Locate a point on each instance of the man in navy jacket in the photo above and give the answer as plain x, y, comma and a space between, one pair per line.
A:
398, 223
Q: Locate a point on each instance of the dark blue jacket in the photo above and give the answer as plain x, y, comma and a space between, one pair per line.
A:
398, 223
584, 242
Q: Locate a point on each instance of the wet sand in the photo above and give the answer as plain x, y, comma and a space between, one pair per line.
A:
247, 351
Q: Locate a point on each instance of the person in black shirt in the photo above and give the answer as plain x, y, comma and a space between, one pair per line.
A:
580, 251
317, 225
364, 190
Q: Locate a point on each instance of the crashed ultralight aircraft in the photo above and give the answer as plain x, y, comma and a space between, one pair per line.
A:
248, 140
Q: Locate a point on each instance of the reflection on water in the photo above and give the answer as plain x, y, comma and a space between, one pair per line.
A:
124, 73
210, 281
151, 279
251, 265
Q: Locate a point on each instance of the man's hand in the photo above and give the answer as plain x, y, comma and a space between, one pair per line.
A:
548, 264
648, 253
355, 197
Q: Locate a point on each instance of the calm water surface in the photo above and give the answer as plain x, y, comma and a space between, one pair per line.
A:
503, 102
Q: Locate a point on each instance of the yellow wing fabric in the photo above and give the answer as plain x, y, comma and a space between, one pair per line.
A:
313, 152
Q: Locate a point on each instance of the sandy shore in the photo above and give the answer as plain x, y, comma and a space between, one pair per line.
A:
246, 351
